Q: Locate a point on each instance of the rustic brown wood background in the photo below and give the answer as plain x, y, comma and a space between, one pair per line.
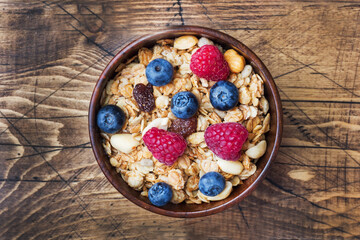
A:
51, 54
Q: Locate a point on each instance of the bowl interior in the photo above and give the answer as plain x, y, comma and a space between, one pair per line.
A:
273, 137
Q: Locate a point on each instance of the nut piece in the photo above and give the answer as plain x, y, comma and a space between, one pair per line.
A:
144, 166
257, 151
202, 197
264, 104
248, 173
235, 181
236, 61
196, 138
162, 102
246, 71
224, 194
161, 123
185, 42
204, 41
124, 142
232, 167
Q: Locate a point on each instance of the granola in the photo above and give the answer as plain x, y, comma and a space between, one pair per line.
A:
135, 163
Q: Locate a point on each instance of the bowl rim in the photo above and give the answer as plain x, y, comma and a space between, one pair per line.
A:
96, 96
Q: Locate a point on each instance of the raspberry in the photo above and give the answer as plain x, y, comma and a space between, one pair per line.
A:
165, 146
226, 139
209, 63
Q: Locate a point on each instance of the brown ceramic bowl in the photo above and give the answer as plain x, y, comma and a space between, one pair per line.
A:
240, 192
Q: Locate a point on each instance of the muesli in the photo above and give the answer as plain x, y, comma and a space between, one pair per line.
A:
148, 112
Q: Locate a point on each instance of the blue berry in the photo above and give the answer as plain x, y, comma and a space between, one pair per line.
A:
159, 72
224, 95
184, 105
211, 184
110, 118
160, 194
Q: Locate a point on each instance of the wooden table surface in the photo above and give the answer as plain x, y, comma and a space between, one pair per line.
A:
51, 54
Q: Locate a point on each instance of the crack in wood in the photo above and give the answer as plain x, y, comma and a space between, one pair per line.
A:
331, 80
337, 171
307, 200
244, 218
301, 128
180, 12
339, 144
92, 41
81, 201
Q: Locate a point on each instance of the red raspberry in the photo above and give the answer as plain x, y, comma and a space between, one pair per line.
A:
165, 146
226, 139
209, 63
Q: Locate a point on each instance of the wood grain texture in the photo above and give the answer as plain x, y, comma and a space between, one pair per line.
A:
51, 54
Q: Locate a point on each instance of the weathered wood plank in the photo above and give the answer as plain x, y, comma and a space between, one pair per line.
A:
51, 54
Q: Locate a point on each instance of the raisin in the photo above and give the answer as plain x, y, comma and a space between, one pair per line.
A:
149, 86
185, 127
144, 97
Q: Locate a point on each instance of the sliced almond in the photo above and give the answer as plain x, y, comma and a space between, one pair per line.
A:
124, 142
232, 167
185, 42
161, 123
246, 71
205, 41
257, 151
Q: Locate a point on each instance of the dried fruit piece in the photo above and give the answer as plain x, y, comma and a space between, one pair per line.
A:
185, 127
144, 97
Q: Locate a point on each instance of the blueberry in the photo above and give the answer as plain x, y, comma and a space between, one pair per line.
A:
224, 95
110, 118
159, 72
184, 105
160, 194
211, 184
